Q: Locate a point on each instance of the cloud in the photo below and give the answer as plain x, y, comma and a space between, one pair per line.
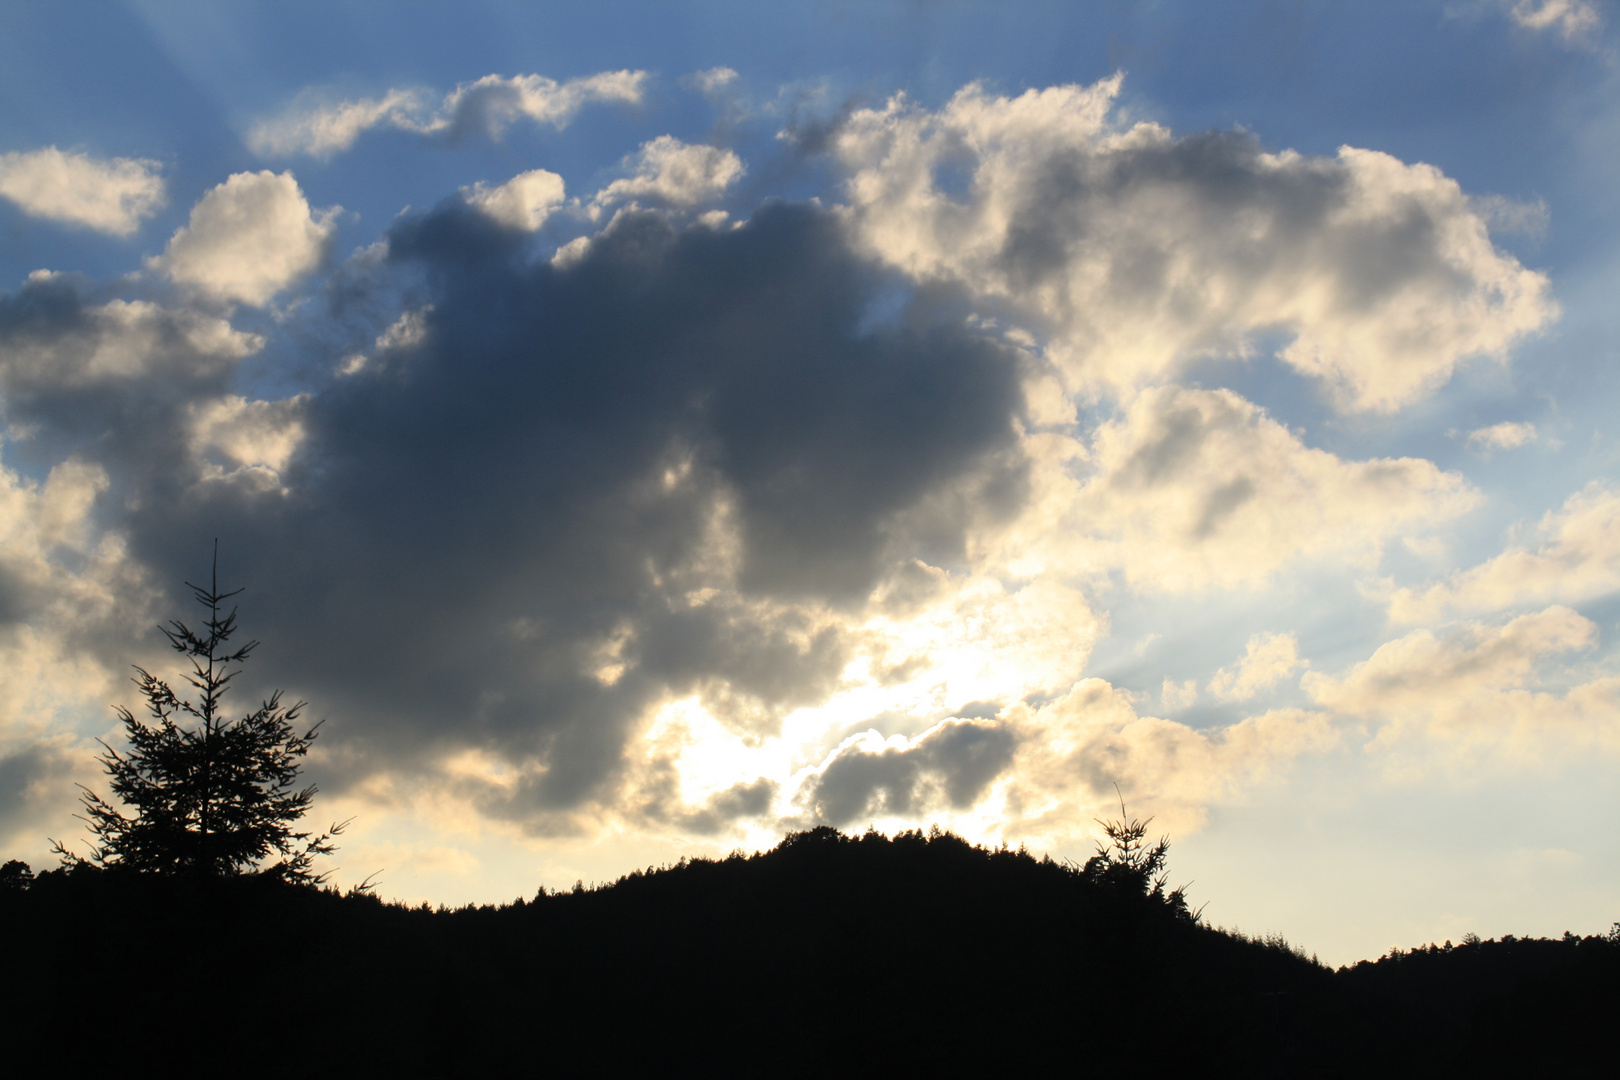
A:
487, 105
1421, 669
711, 81
1138, 251
669, 171
53, 338
1041, 774
680, 465
1503, 436
1475, 686
67, 592
113, 197
1175, 696
493, 102
947, 766
1267, 660
323, 131
32, 780
1503, 215
249, 238
401, 337
1073, 751
42, 521
1200, 488
237, 440
1577, 558
523, 202
1573, 20
696, 530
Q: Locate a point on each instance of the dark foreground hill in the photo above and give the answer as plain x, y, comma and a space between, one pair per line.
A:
828, 955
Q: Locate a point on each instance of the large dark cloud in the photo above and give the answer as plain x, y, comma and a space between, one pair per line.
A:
586, 487
26, 776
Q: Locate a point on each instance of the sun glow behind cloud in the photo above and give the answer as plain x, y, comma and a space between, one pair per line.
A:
811, 467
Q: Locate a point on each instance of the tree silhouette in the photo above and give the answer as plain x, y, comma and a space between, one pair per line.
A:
1128, 868
214, 799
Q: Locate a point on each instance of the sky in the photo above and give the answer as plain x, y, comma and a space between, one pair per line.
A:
641, 430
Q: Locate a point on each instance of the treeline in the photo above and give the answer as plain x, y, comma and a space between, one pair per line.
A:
830, 954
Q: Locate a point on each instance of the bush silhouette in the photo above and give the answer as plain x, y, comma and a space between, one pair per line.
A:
214, 799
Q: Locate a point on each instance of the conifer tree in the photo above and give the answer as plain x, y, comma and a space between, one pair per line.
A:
1128, 868
210, 796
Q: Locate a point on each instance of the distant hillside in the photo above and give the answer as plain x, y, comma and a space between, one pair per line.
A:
830, 954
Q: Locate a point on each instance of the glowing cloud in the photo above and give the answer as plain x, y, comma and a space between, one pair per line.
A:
487, 105
523, 202
1268, 659
1137, 250
1503, 436
1577, 559
1572, 19
667, 170
89, 344
108, 196
251, 442
249, 238
1476, 685
1200, 488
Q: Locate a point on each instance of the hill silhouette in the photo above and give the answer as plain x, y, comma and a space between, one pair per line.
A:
830, 953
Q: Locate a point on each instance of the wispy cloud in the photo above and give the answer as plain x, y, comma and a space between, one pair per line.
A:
1474, 686
1577, 558
1507, 435
1267, 660
1573, 20
485, 106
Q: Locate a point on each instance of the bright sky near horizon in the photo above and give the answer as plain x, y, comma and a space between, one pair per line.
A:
642, 429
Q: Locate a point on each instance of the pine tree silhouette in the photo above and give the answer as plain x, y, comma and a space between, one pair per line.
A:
214, 799
1128, 868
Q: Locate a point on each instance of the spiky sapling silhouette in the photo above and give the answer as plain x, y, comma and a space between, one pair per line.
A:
216, 798
1127, 867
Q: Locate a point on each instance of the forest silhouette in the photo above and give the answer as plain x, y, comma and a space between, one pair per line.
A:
830, 953
197, 938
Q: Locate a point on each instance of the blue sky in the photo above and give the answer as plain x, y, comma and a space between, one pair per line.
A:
643, 429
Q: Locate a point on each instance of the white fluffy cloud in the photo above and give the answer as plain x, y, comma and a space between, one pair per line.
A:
1577, 558
244, 441
669, 171
1475, 685
249, 238
1198, 488
489, 105
39, 522
1073, 750
523, 202
1138, 250
108, 196
1267, 660
1175, 696
67, 580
